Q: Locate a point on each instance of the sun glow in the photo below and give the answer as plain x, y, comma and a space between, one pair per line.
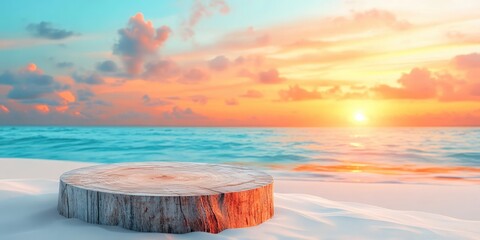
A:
360, 117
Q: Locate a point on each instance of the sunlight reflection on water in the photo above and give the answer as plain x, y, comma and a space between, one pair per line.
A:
329, 154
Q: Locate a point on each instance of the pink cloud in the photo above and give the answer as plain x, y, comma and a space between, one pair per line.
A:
252, 94
162, 70
194, 75
246, 73
231, 102
372, 18
245, 38
200, 99
202, 10
138, 40
467, 61
219, 63
298, 34
417, 84
270, 77
296, 93
421, 83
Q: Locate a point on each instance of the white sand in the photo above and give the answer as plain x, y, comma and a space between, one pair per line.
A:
28, 198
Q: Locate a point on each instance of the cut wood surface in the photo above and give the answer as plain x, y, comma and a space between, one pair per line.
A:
172, 197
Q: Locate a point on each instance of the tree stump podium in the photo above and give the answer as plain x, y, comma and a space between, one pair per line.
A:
168, 197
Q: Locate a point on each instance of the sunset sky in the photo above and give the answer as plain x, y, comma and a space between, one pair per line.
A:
240, 63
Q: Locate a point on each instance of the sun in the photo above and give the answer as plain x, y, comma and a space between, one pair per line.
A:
360, 117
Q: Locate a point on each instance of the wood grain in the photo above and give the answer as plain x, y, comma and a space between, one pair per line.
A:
169, 197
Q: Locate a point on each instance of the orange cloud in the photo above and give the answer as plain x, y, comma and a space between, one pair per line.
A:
67, 96
31, 67
251, 93
231, 102
200, 99
296, 93
62, 108
42, 108
421, 83
467, 61
270, 77
4, 109
417, 84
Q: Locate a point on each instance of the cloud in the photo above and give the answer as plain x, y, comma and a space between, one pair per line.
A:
64, 65
179, 116
419, 83
252, 94
370, 19
32, 68
296, 93
244, 39
84, 94
231, 102
326, 31
67, 96
270, 77
467, 61
29, 83
42, 108
4, 109
147, 101
139, 40
46, 30
422, 83
194, 75
202, 10
162, 70
200, 99
219, 63
87, 97
107, 66
91, 79
44, 115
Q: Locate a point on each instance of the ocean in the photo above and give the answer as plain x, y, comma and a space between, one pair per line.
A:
387, 155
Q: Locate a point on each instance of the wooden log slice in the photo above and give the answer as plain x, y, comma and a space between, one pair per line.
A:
168, 197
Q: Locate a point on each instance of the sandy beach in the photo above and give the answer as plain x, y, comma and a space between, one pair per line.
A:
303, 210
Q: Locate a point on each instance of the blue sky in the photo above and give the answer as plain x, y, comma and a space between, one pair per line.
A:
96, 24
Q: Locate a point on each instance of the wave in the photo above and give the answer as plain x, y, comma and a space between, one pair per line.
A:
285, 148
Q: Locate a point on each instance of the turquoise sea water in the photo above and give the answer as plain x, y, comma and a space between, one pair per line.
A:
336, 154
